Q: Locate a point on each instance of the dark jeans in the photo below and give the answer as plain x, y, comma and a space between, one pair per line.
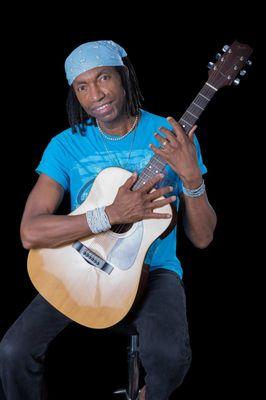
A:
160, 320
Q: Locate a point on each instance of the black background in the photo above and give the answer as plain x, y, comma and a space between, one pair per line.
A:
169, 49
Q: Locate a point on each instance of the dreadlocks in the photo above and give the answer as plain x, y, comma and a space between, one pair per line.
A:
79, 119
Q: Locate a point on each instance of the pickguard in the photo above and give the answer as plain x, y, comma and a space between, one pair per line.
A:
126, 249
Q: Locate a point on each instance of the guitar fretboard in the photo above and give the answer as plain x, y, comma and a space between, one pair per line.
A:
156, 164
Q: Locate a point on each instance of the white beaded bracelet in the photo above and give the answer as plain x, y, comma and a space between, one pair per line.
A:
194, 192
98, 220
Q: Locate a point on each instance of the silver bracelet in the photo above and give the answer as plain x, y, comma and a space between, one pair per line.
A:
98, 220
194, 192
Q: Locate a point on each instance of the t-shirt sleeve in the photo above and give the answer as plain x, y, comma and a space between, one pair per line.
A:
54, 163
202, 166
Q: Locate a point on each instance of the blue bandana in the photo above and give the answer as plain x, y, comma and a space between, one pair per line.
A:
93, 54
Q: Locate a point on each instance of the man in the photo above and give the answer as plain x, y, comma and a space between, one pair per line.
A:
108, 128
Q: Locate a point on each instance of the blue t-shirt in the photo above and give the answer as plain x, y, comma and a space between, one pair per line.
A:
74, 160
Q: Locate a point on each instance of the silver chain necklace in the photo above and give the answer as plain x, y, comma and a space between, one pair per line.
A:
131, 147
120, 137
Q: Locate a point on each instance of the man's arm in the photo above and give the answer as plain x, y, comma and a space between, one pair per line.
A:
199, 219
179, 151
39, 227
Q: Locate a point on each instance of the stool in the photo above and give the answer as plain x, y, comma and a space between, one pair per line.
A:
132, 392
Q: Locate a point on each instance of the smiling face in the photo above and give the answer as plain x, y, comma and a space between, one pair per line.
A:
100, 93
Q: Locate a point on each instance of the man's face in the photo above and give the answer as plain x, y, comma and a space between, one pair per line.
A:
100, 93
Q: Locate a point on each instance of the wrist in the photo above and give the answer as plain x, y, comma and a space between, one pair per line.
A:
98, 220
194, 192
193, 182
112, 214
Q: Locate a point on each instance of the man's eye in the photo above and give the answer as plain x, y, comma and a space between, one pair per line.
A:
104, 77
81, 88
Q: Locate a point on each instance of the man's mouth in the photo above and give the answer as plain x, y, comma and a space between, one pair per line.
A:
104, 107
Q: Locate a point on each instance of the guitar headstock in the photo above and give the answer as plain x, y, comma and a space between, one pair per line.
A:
229, 65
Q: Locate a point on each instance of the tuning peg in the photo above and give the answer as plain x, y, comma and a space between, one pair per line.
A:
210, 65
249, 63
218, 56
236, 81
242, 72
225, 48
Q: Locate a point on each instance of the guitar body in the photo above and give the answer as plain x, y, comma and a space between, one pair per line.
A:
95, 281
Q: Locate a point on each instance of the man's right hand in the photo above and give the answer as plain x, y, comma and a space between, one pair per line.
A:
132, 206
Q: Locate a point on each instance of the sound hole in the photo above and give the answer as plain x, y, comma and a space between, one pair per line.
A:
122, 228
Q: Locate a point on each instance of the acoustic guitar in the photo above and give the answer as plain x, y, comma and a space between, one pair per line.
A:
95, 280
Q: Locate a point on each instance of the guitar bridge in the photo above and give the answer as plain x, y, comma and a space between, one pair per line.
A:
92, 258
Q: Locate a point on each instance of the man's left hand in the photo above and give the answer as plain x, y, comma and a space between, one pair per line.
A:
179, 151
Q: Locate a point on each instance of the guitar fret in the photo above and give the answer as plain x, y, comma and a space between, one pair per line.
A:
148, 175
150, 167
198, 105
160, 162
143, 172
142, 182
192, 114
186, 121
204, 96
194, 110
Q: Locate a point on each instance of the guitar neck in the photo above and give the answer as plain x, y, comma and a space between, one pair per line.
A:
157, 164
198, 105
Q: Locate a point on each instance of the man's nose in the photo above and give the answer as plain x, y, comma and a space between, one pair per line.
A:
96, 94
